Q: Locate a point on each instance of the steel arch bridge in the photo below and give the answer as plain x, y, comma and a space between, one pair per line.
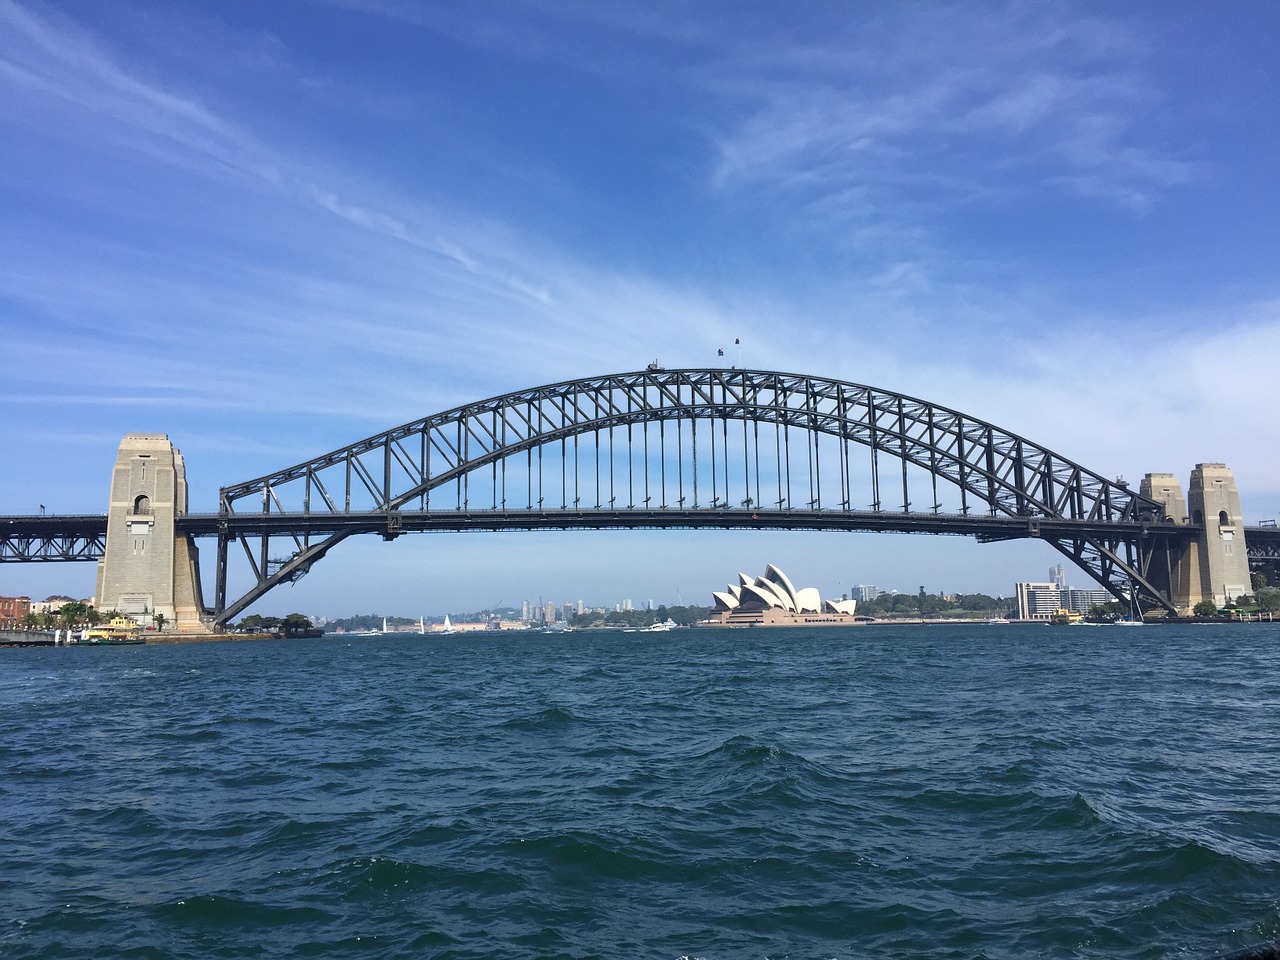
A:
693, 448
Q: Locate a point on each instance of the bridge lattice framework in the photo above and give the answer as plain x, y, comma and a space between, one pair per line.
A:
692, 448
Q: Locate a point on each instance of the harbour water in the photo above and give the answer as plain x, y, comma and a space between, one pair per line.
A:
969, 791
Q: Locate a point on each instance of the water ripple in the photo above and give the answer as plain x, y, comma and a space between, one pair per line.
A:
902, 792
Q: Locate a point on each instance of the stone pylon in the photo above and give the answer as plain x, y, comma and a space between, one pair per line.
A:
1224, 563
148, 567
1215, 565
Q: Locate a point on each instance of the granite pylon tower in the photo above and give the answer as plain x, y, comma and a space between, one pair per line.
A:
149, 567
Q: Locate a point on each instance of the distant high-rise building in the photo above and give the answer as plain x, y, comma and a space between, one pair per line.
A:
1057, 576
524, 611
582, 607
1037, 601
626, 604
549, 612
648, 604
865, 591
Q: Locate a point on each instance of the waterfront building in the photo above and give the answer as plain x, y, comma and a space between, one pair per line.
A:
54, 604
14, 609
771, 600
1038, 601
472, 626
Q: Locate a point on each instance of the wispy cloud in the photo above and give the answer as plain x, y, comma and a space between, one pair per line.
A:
1016, 98
880, 194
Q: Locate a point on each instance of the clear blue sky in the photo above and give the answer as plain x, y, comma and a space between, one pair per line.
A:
271, 229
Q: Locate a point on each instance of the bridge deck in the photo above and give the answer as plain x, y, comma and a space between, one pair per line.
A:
396, 522
80, 536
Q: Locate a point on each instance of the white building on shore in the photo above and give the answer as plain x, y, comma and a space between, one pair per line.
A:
1038, 601
772, 601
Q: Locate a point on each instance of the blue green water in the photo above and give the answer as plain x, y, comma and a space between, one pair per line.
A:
983, 791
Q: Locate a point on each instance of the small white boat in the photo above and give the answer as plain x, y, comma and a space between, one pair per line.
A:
663, 627
997, 620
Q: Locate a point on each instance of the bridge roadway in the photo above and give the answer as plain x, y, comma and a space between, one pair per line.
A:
393, 523
82, 537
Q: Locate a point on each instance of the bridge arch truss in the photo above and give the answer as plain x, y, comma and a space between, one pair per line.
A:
697, 447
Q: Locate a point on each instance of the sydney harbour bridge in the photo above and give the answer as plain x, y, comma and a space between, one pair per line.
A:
655, 448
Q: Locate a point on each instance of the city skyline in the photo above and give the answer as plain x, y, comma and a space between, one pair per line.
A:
535, 608
269, 231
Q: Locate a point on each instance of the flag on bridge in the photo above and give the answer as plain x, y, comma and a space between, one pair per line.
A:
720, 352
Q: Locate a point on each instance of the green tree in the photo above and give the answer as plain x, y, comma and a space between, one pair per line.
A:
1111, 610
160, 620
1269, 598
1205, 608
72, 614
295, 623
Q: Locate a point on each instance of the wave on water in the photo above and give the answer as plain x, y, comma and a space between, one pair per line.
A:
899, 793
546, 719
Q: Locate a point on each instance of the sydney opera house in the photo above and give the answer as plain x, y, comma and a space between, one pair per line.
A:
772, 601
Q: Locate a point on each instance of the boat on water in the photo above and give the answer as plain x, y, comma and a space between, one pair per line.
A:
662, 627
1063, 617
448, 626
994, 620
120, 630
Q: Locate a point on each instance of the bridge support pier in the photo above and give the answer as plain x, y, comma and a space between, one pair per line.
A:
148, 568
1214, 565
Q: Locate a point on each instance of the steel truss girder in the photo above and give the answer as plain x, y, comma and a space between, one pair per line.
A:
997, 472
51, 548
1262, 543
37, 539
1113, 561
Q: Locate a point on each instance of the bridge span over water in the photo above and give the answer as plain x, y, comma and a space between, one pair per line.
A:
655, 448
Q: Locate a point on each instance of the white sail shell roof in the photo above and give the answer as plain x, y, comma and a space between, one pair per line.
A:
760, 594
784, 598
808, 600
774, 575
775, 590
725, 599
